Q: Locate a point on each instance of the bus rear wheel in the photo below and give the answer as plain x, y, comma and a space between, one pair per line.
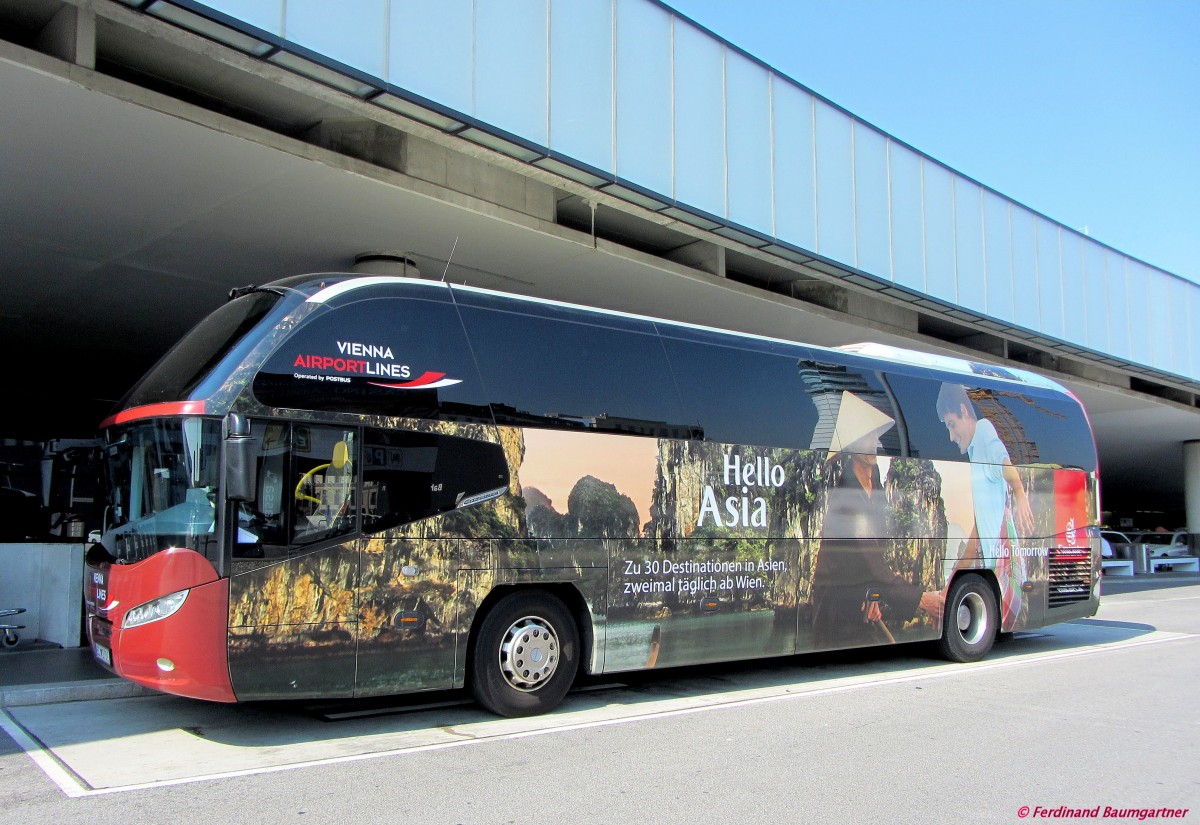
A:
970, 621
525, 655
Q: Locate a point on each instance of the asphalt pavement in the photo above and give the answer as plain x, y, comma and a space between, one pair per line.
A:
1089, 714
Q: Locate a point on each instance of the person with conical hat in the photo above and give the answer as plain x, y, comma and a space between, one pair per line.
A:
854, 591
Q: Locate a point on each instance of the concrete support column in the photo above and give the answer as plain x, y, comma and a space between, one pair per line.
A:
71, 35
1191, 485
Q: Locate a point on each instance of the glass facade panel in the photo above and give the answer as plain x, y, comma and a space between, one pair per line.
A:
1049, 256
1159, 322
1096, 296
1180, 328
699, 120
908, 218
1192, 334
581, 80
939, 231
871, 204
432, 52
997, 246
1141, 348
835, 194
356, 35
968, 245
265, 14
510, 66
1027, 310
1075, 315
644, 94
795, 184
748, 133
1120, 341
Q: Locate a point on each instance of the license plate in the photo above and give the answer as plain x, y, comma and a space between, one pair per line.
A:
103, 654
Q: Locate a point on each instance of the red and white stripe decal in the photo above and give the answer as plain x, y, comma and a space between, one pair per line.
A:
427, 381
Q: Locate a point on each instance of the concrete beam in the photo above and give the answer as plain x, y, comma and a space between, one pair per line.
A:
476, 177
360, 138
71, 36
1092, 372
897, 316
821, 293
985, 342
702, 255
858, 305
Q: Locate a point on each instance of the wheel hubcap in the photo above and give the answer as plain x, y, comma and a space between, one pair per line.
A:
972, 618
529, 653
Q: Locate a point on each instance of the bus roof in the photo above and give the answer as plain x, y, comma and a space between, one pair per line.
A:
349, 282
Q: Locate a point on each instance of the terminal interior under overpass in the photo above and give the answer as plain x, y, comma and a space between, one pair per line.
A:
132, 206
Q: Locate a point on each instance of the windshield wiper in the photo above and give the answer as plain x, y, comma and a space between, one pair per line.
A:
239, 291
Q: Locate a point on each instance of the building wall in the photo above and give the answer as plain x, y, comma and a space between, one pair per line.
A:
643, 96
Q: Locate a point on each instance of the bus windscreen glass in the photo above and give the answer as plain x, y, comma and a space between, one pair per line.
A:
162, 488
189, 361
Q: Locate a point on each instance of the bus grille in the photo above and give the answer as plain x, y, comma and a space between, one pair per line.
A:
1070, 576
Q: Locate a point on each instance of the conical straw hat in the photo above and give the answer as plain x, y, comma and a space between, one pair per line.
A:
858, 421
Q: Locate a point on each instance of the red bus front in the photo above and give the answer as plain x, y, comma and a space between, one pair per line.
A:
157, 604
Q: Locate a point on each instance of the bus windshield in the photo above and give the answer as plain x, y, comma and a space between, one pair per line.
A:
175, 376
162, 488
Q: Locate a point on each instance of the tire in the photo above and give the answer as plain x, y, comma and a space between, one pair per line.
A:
525, 655
971, 620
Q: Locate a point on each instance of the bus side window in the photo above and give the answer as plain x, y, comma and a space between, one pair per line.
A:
270, 499
323, 479
409, 476
261, 526
306, 486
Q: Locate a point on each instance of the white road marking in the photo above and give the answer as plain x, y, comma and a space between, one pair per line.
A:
67, 782
73, 783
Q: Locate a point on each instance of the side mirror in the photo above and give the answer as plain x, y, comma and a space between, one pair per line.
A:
241, 476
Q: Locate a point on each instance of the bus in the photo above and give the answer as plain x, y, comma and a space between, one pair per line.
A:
341, 486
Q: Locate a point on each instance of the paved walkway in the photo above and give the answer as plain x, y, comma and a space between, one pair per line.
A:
35, 676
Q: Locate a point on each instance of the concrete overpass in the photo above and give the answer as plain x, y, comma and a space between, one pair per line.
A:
146, 168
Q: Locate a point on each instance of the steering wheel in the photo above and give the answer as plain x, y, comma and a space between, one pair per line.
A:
300, 494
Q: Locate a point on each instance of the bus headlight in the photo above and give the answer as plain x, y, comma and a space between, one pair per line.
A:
152, 611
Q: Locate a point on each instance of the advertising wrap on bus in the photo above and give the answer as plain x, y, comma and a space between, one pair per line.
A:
386, 485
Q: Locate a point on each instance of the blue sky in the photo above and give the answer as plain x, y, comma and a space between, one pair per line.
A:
1087, 111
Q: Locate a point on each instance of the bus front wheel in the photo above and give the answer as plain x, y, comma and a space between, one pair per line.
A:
525, 655
970, 620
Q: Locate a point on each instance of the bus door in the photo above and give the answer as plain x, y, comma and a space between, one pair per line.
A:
295, 566
430, 516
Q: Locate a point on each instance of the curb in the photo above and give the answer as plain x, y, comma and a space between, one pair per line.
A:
84, 691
